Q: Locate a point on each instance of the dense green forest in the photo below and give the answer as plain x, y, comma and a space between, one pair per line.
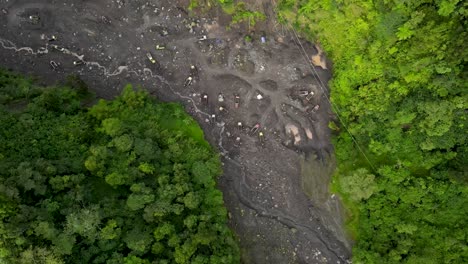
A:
400, 87
130, 180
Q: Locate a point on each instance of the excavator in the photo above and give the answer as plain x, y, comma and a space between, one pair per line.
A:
204, 99
236, 100
254, 129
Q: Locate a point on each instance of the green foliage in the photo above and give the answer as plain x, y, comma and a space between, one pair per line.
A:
126, 181
242, 14
358, 186
400, 83
238, 10
193, 4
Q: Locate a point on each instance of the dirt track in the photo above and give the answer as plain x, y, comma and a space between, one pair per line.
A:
275, 221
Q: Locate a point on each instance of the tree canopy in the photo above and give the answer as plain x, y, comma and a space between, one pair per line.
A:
400, 87
130, 180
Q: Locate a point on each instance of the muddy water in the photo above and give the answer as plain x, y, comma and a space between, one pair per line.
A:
316, 175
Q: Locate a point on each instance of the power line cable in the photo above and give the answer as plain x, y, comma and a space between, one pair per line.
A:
322, 86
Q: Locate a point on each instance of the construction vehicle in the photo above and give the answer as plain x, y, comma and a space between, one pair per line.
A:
34, 19
310, 96
316, 107
239, 125
261, 137
53, 65
78, 62
194, 71
52, 38
236, 100
188, 81
303, 93
202, 38
205, 99
160, 47
153, 61
105, 20
220, 97
150, 58
55, 47
254, 129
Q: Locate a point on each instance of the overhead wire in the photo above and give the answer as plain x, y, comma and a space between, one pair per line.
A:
322, 85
